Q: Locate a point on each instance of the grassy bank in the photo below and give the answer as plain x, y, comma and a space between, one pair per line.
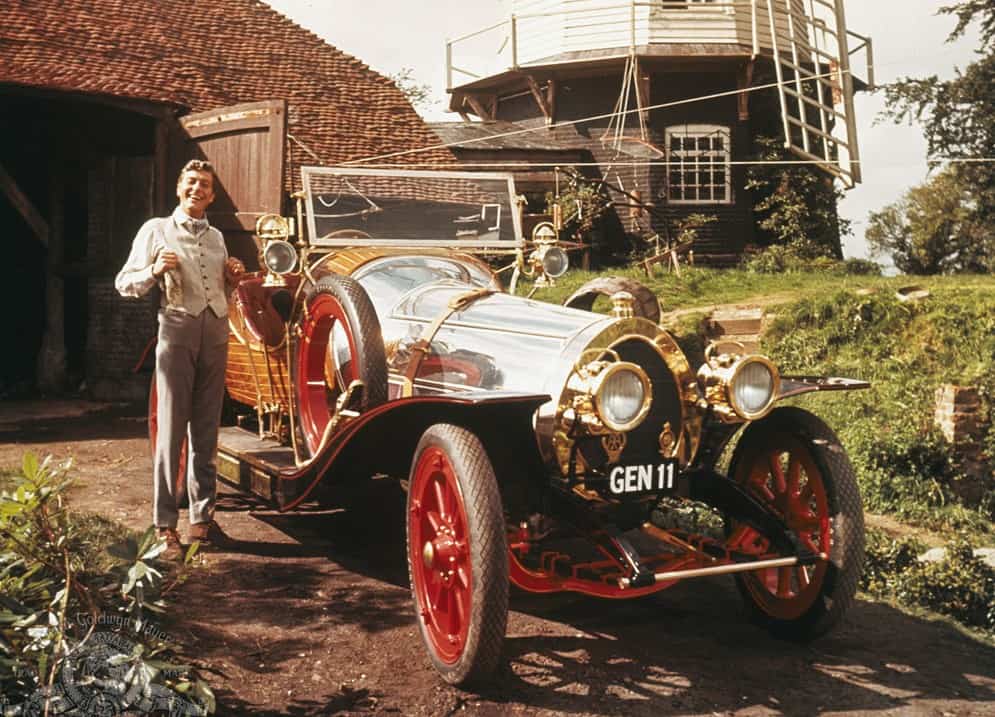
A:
697, 288
906, 350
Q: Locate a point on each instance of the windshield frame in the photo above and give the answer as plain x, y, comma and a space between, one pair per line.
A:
486, 246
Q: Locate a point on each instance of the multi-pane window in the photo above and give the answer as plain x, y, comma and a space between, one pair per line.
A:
698, 164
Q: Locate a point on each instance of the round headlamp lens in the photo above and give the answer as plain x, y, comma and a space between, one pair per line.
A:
622, 398
753, 388
555, 262
280, 257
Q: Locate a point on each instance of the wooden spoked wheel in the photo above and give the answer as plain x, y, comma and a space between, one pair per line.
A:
340, 341
457, 554
793, 462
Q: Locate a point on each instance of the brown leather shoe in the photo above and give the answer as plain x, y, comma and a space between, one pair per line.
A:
173, 551
209, 534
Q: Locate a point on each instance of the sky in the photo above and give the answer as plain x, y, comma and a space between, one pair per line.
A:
909, 41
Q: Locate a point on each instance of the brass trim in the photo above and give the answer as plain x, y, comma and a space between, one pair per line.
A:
722, 569
614, 444
623, 305
718, 376
556, 419
667, 441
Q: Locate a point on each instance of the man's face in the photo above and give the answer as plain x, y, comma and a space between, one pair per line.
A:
195, 190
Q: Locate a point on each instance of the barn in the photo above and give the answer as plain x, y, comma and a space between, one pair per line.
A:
103, 101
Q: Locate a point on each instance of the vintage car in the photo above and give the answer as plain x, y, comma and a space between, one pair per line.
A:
540, 445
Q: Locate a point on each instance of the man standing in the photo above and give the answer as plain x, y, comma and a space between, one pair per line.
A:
187, 258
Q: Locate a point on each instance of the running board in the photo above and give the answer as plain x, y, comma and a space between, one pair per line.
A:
721, 570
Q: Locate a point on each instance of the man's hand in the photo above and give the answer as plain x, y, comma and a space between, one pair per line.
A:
164, 261
234, 268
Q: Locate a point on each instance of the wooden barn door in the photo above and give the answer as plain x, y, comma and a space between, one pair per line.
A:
245, 143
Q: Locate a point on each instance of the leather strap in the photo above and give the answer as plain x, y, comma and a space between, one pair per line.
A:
420, 349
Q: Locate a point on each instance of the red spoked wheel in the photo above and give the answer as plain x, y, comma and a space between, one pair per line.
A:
794, 463
180, 483
340, 341
457, 554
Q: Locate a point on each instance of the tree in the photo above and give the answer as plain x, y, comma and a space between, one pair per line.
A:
419, 94
795, 205
933, 229
958, 115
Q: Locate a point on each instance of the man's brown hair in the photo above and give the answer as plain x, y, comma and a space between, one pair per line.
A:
198, 165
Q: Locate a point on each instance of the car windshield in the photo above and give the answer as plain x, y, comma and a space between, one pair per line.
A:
387, 280
355, 207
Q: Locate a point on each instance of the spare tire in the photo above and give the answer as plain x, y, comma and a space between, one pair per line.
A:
646, 304
339, 341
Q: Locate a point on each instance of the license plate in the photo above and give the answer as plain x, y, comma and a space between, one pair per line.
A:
644, 478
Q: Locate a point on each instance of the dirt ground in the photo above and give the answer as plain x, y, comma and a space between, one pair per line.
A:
310, 615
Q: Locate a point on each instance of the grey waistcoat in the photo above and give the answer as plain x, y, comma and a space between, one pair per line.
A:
201, 270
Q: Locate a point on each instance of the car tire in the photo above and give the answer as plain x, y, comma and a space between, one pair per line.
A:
646, 305
335, 302
794, 463
457, 554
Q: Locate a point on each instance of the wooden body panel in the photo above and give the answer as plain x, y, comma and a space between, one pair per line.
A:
256, 376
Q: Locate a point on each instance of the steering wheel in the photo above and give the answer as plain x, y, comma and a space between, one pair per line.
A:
347, 234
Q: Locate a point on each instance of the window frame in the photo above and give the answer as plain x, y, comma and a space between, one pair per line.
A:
699, 131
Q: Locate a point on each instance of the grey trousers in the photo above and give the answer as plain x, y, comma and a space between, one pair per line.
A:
190, 379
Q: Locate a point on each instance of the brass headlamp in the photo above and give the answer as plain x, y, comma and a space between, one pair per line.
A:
547, 261
275, 253
608, 395
738, 387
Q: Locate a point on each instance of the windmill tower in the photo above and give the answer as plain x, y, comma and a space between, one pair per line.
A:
669, 98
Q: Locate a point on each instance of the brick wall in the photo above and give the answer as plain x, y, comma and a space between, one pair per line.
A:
961, 418
958, 414
118, 331
120, 196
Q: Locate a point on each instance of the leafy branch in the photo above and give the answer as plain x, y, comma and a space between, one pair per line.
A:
52, 565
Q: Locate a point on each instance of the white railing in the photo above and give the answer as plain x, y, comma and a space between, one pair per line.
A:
812, 50
616, 28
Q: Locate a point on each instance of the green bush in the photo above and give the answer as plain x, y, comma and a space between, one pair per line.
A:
860, 267
775, 259
61, 575
961, 585
780, 259
905, 350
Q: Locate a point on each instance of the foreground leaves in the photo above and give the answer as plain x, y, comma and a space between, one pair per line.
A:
78, 600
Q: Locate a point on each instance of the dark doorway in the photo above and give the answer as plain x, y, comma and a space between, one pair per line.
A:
61, 152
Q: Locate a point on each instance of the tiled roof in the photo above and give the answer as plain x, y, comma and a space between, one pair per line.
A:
206, 55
